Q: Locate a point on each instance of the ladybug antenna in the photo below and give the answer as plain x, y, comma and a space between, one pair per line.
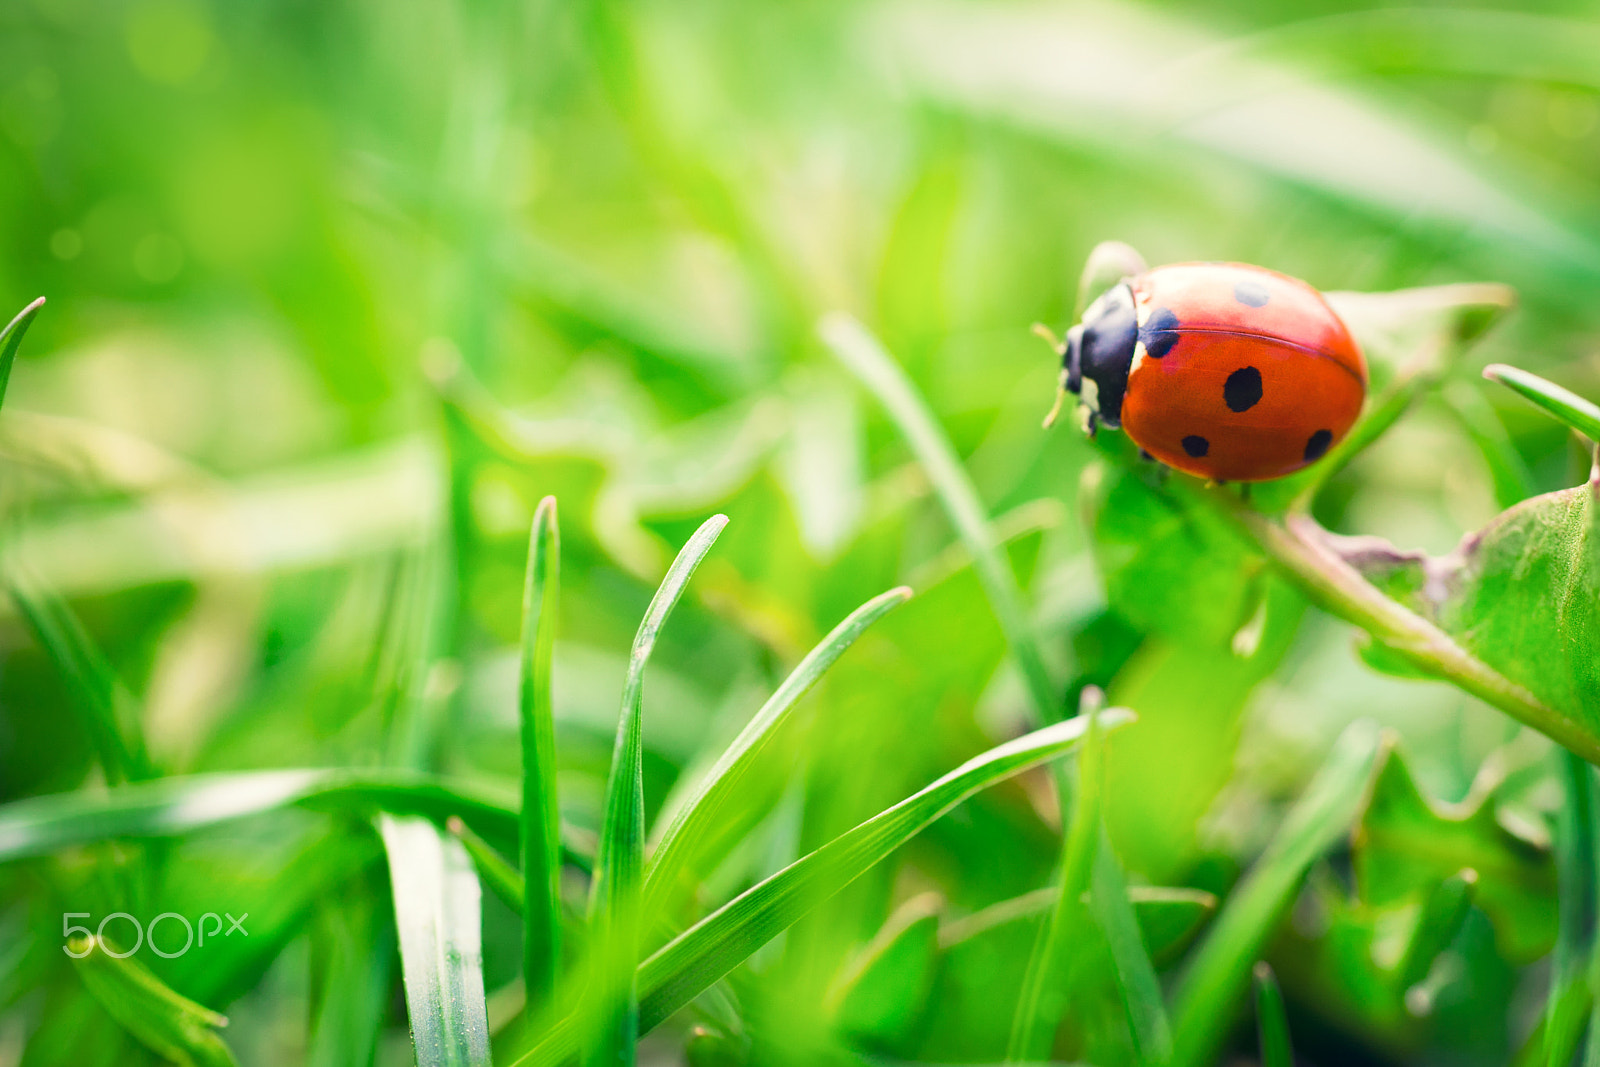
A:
1061, 398
1059, 347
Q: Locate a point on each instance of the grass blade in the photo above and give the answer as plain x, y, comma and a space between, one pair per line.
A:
687, 832
436, 913
1566, 1008
169, 807
104, 705
351, 946
1136, 975
541, 816
165, 1022
1210, 989
688, 965
619, 862
503, 880
1569, 407
862, 354
11, 340
1047, 983
1272, 1021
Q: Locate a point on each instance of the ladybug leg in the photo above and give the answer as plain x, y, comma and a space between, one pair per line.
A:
1244, 492
1146, 457
1092, 424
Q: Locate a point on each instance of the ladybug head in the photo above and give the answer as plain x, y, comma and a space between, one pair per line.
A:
1098, 354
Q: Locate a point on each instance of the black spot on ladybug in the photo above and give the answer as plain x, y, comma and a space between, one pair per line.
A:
1318, 444
1159, 333
1242, 389
1198, 446
1251, 293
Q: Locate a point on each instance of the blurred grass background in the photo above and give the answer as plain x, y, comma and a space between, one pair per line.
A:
338, 291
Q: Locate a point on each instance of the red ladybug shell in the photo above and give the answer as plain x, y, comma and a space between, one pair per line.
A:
1240, 373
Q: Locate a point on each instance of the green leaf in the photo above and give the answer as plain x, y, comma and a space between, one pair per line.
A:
1406, 844
105, 706
1210, 988
1136, 975
1572, 409
1437, 926
1512, 616
690, 832
11, 340
690, 963
541, 815
864, 357
169, 807
614, 894
436, 913
168, 1024
1272, 1022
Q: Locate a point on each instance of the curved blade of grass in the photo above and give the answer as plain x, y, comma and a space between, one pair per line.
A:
619, 863
503, 880
164, 1021
864, 357
1272, 1021
1209, 990
686, 834
1168, 917
1136, 975
101, 701
541, 816
436, 914
722, 940
1572, 409
1046, 985
11, 340
689, 964
168, 807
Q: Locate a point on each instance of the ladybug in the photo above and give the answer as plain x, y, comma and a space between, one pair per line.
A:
1223, 370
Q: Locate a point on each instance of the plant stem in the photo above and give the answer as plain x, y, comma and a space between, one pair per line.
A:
1299, 547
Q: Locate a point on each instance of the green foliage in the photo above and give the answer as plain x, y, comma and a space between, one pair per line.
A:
11, 340
436, 898
340, 302
614, 894
170, 1025
1272, 1022
540, 839
1214, 979
1405, 841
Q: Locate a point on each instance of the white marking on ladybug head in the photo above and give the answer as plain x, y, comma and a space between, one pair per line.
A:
1089, 396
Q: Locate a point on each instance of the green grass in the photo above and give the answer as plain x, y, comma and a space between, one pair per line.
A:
340, 305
